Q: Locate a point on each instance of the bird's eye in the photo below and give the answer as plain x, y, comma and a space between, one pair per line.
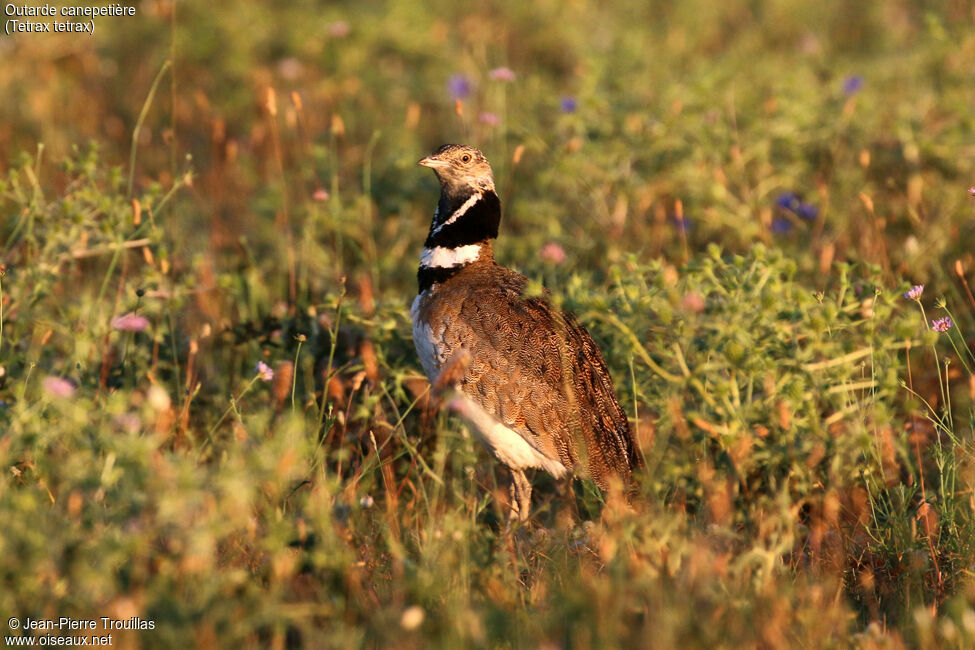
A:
465, 158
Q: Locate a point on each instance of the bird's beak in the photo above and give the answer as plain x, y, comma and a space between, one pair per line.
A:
431, 162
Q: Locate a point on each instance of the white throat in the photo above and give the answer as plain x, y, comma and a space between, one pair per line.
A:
445, 258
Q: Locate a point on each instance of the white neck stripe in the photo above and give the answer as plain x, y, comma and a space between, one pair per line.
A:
445, 258
458, 213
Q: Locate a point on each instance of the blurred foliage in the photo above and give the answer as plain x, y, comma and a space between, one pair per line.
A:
732, 204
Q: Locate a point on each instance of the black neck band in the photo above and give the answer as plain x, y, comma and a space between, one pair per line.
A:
427, 276
479, 222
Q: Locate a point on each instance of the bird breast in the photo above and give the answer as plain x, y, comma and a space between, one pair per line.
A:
428, 338
435, 345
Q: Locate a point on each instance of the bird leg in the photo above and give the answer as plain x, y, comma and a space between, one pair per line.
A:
520, 493
569, 507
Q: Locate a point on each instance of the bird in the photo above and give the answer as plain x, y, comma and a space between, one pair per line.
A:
527, 377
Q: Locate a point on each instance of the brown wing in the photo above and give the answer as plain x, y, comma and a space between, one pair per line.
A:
542, 374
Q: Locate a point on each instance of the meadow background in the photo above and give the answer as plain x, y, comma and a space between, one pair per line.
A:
732, 196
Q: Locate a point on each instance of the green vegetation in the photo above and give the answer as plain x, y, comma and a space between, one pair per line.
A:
733, 197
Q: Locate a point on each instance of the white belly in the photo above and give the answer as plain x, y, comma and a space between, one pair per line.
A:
508, 446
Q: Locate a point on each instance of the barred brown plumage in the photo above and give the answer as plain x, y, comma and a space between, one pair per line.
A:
536, 388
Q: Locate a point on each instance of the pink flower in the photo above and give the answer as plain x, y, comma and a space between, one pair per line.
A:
320, 195
942, 324
693, 301
489, 118
58, 387
128, 422
915, 292
264, 371
552, 252
130, 323
502, 74
290, 68
339, 29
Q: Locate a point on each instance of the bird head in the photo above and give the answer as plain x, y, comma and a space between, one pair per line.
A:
461, 169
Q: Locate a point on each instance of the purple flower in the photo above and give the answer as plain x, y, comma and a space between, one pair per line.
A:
781, 226
791, 202
130, 323
502, 74
459, 86
264, 371
787, 201
569, 104
807, 211
58, 387
971, 191
942, 324
852, 85
683, 224
915, 292
489, 118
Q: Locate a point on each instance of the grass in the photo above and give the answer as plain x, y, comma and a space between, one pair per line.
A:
741, 203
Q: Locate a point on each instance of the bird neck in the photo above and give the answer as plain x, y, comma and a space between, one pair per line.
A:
460, 235
466, 217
